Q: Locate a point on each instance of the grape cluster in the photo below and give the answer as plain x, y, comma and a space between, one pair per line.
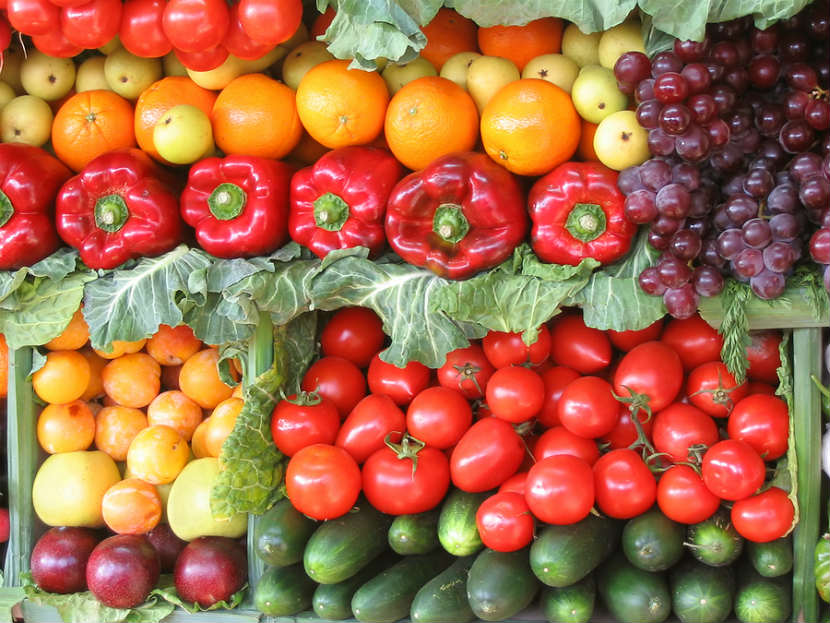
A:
740, 174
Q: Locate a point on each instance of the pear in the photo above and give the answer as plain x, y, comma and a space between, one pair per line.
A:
555, 68
47, 77
129, 75
90, 75
625, 37
620, 142
397, 75
172, 65
110, 46
582, 48
595, 94
487, 75
183, 134
456, 66
233, 67
10, 74
301, 59
26, 119
6, 94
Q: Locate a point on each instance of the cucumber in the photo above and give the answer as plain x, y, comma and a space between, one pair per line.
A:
283, 591
414, 534
388, 596
652, 541
281, 534
763, 600
341, 547
457, 529
715, 541
633, 595
700, 593
771, 559
333, 602
570, 604
444, 598
563, 555
500, 584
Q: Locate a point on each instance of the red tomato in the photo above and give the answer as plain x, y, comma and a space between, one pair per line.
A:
559, 440
322, 22
92, 24
623, 485
515, 483
270, 21
713, 389
732, 470
204, 60
322, 481
467, 370
515, 393
763, 356
297, 423
195, 25
354, 333
5, 31
679, 427
366, 427
560, 489
624, 434
757, 387
237, 41
141, 32
504, 522
337, 379
682, 496
694, 340
55, 44
412, 480
652, 369
439, 416
33, 17
588, 408
763, 422
400, 384
507, 349
764, 517
487, 455
573, 344
626, 340
555, 380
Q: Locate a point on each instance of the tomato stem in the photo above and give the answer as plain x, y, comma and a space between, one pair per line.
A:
305, 399
408, 448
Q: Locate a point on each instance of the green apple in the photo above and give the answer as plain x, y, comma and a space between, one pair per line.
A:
456, 66
172, 65
625, 37
301, 59
26, 119
129, 75
582, 48
10, 73
595, 94
90, 75
487, 75
620, 142
47, 77
397, 75
555, 68
6, 94
183, 134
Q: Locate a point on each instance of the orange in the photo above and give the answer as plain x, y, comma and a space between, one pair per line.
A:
221, 425
257, 116
131, 506
63, 378
171, 346
89, 124
339, 106
197, 442
448, 34
115, 429
73, 336
4, 366
430, 117
66, 428
132, 380
199, 379
586, 151
522, 43
308, 151
530, 126
175, 410
160, 97
95, 387
157, 454
120, 348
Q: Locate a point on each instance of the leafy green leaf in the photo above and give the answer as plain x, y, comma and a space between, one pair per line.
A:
167, 593
786, 470
9, 597
589, 15
735, 328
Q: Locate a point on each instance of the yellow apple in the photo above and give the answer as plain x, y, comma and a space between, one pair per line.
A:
555, 68
6, 94
47, 77
456, 66
90, 75
129, 75
396, 76
620, 142
626, 37
595, 94
487, 75
582, 48
26, 119
183, 134
301, 59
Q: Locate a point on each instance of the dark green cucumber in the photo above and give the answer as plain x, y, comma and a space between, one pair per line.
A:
570, 604
633, 595
771, 559
563, 555
444, 598
341, 547
281, 534
283, 591
388, 596
333, 602
700, 593
500, 584
414, 534
763, 600
715, 541
457, 529
652, 541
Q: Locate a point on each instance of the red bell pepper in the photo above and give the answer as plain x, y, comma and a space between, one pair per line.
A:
120, 206
578, 212
29, 180
460, 215
238, 205
340, 201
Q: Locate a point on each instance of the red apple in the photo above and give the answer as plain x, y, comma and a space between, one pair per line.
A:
59, 559
210, 569
4, 525
167, 544
122, 570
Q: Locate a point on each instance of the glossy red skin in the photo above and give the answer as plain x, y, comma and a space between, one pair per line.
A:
59, 558
141, 32
393, 487
504, 349
322, 481
210, 569
559, 440
195, 25
271, 21
168, 546
710, 376
337, 379
237, 41
515, 483
400, 384
763, 422
365, 428
204, 60
92, 24
764, 517
626, 340
467, 370
560, 489
759, 387
515, 393
652, 368
295, 426
32, 17
354, 333
763, 356
487, 455
682, 496
578, 346
53, 43
679, 426
504, 522
623, 485
732, 469
439, 416
624, 433
555, 379
588, 408
122, 570
694, 340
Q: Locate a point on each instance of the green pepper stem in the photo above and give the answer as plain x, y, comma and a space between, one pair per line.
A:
330, 212
449, 223
111, 213
586, 221
6, 208
227, 201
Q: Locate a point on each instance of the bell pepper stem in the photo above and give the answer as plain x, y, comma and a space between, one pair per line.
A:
227, 201
586, 221
6, 208
449, 223
111, 213
330, 212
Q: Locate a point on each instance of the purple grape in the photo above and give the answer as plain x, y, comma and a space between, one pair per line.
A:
693, 145
734, 185
725, 53
769, 119
674, 118
699, 205
650, 282
771, 149
673, 201
721, 218
702, 107
739, 121
709, 254
629, 180
795, 104
690, 51
666, 225
820, 246
764, 41
686, 174
655, 173
697, 77
796, 136
748, 263
673, 271
715, 71
707, 281
817, 114
724, 97
685, 244
804, 166
814, 192
632, 67
744, 51
779, 257
762, 162
801, 76
748, 141
819, 24
648, 114
699, 226
737, 78
729, 158
794, 47
644, 91
718, 132
768, 285
764, 71
658, 241
665, 62
784, 227
741, 208
756, 233
640, 207
670, 87
681, 302
729, 243
782, 199
758, 183
660, 143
